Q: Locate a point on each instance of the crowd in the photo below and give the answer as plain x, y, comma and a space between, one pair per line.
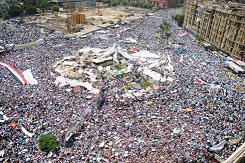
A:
18, 31
128, 130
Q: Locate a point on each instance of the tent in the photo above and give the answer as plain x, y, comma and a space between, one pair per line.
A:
9, 47
234, 67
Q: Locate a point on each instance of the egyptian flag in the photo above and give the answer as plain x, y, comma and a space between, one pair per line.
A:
18, 75
200, 81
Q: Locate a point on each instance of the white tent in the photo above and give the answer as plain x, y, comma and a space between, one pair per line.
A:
234, 67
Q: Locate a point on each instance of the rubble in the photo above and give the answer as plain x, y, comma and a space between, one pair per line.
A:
85, 68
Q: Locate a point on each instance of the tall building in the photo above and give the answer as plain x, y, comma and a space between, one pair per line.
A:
4, 5
221, 24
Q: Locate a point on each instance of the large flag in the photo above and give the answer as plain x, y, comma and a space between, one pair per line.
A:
200, 81
18, 75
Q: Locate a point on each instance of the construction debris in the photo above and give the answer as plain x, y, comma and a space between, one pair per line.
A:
91, 65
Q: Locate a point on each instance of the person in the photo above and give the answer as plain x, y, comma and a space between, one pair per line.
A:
100, 100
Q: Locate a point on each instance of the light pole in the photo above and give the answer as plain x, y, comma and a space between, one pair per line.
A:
98, 6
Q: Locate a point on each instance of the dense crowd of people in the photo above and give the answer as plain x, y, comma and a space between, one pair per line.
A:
133, 130
18, 31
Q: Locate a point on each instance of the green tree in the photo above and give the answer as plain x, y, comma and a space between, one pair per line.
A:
43, 4
56, 8
29, 9
165, 29
48, 142
176, 3
30, 2
179, 18
168, 34
15, 10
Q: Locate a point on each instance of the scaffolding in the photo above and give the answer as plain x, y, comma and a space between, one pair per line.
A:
74, 17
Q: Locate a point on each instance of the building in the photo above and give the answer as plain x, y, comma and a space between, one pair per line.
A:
221, 24
4, 5
159, 3
75, 3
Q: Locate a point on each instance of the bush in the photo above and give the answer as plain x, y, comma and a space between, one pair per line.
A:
199, 39
142, 5
42, 4
124, 2
119, 66
176, 3
81, 26
145, 84
149, 6
213, 48
48, 142
15, 10
30, 10
179, 18
56, 8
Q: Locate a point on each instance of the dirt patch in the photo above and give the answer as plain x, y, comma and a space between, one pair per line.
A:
107, 15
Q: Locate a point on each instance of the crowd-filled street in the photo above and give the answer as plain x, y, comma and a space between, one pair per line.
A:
179, 122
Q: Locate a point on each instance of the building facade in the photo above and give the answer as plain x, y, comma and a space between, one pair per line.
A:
76, 3
222, 25
157, 3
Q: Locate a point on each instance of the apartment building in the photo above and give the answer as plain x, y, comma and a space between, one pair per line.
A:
221, 24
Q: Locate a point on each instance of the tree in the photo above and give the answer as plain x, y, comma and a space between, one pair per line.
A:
48, 142
29, 9
168, 34
165, 29
56, 8
43, 4
179, 18
176, 3
30, 2
15, 10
